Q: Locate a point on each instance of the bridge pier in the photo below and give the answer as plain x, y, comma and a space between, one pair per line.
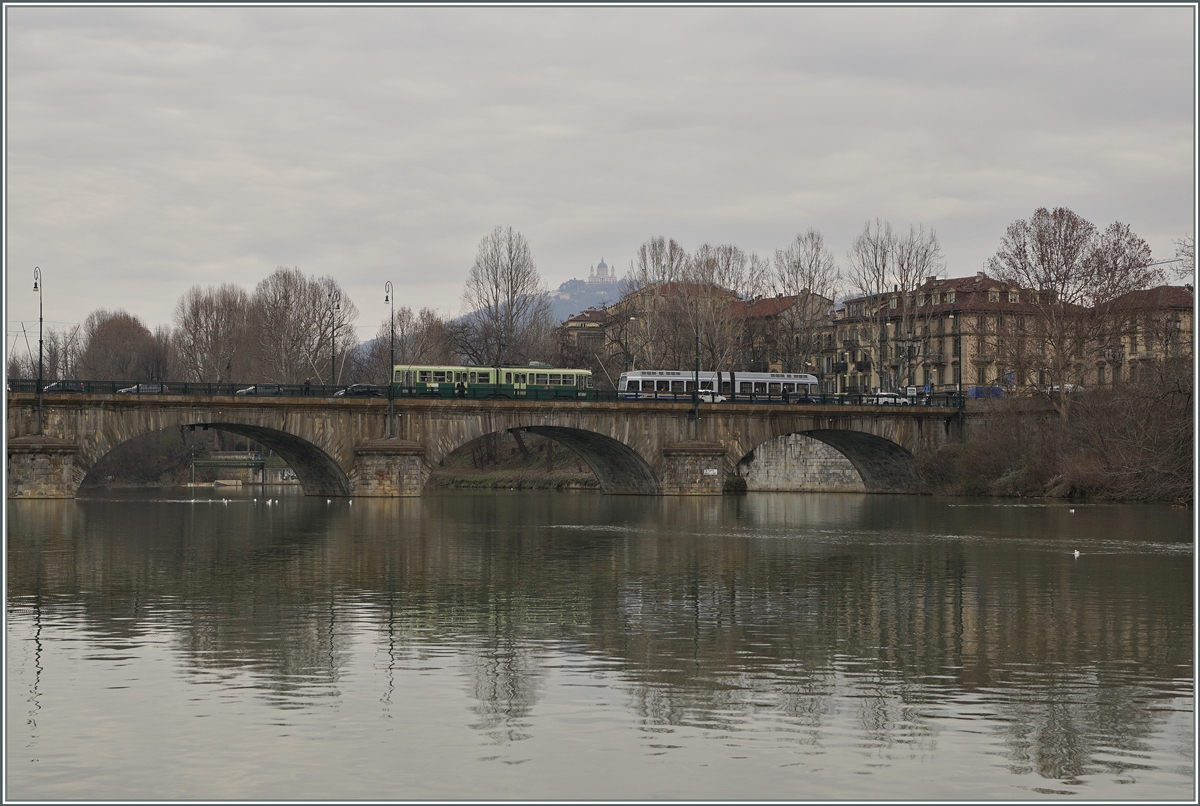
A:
388, 468
43, 467
694, 468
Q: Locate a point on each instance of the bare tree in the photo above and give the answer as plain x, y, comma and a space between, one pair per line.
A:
870, 260
298, 324
1069, 273
117, 346
211, 339
506, 315
642, 324
718, 279
1185, 252
807, 274
419, 339
917, 258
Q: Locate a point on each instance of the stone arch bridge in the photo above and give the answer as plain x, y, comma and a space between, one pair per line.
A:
341, 447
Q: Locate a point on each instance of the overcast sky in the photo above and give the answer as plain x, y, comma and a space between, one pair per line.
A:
152, 149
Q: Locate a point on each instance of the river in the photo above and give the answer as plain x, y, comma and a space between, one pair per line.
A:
180, 644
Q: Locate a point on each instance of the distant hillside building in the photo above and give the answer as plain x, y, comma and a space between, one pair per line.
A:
602, 274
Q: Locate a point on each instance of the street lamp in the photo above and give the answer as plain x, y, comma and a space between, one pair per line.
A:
958, 362
37, 286
696, 392
390, 299
335, 298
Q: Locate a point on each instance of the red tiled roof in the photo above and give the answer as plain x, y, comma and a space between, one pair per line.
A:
590, 315
1164, 296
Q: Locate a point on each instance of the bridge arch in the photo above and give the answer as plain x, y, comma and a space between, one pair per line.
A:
619, 468
317, 471
882, 464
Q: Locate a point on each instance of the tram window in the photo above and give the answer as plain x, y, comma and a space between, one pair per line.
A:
706, 385
542, 378
789, 387
773, 388
439, 377
458, 377
676, 386
664, 386
725, 387
424, 376
408, 378
589, 381
691, 386
556, 380
568, 380
508, 377
485, 377
745, 387
760, 387
471, 377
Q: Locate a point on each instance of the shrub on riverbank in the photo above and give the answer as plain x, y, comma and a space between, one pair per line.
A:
1130, 442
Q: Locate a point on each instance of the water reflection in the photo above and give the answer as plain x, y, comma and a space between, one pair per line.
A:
872, 622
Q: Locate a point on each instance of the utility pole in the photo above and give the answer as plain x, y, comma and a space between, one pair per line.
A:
37, 276
336, 299
696, 392
390, 298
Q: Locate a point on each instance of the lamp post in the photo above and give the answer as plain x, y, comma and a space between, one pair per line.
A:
696, 392
956, 334
37, 286
335, 299
390, 299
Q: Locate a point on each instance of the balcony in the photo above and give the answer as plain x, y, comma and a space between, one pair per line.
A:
933, 358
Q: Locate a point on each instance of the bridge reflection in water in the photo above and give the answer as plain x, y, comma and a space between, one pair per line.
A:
340, 447
847, 634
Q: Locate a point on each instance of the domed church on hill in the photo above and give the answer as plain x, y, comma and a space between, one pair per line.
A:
602, 274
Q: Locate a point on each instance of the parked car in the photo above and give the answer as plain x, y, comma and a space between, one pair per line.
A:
887, 399
145, 389
261, 389
65, 387
360, 390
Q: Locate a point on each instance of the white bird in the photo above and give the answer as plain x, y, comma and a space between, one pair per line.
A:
1077, 554
1071, 511
328, 500
256, 500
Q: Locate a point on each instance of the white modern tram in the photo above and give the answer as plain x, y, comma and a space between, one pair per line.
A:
716, 386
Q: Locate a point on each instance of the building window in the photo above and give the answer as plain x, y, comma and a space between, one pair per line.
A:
1100, 374
981, 375
920, 300
993, 295
892, 302
1014, 296
950, 296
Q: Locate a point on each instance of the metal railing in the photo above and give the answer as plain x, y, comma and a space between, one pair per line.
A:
447, 391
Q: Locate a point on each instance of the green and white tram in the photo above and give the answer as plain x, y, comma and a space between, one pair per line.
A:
535, 380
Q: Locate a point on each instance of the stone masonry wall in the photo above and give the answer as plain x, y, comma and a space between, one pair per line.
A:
796, 463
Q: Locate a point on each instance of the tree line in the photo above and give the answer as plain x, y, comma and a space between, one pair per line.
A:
674, 305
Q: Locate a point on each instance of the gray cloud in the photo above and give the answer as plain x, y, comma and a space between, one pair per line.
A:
152, 149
